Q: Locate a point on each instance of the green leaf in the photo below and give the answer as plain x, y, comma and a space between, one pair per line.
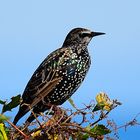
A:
88, 127
2, 102
3, 118
97, 107
15, 101
85, 137
72, 103
3, 135
100, 130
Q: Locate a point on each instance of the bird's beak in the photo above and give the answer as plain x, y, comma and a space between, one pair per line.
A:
96, 33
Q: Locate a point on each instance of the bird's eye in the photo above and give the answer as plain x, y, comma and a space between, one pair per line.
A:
84, 35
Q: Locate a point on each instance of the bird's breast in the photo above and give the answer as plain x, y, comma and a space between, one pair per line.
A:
73, 71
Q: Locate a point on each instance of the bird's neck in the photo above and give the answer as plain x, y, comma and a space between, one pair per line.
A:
77, 47
81, 48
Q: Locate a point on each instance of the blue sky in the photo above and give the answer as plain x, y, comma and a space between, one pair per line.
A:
30, 30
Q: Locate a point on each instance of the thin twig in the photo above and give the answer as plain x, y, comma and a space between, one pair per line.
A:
100, 118
77, 128
14, 126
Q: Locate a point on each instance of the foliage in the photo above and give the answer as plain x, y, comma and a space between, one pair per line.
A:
3, 135
62, 124
15, 101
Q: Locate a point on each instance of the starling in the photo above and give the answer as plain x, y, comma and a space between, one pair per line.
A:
58, 76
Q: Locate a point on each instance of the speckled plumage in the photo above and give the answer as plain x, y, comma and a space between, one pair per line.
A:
67, 65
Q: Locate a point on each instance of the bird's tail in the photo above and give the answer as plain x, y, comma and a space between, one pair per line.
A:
22, 111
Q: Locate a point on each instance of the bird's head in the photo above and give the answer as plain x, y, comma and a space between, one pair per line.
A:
80, 36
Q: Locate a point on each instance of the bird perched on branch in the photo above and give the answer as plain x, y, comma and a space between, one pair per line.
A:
58, 76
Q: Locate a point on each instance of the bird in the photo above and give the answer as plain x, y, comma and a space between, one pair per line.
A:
58, 76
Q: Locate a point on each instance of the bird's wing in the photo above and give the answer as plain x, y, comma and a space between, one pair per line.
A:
45, 77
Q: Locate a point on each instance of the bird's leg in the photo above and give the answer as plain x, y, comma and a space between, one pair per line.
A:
25, 126
50, 110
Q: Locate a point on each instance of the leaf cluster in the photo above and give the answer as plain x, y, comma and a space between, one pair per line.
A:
61, 124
